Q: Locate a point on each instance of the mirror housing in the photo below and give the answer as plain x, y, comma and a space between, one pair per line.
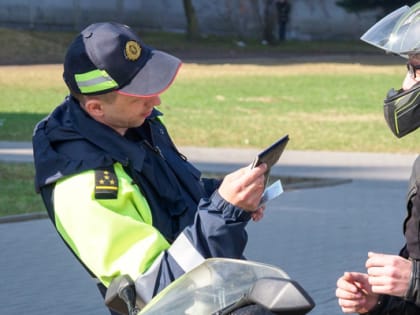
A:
281, 296
121, 296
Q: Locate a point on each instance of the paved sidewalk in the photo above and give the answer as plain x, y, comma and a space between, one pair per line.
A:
322, 164
313, 234
15, 151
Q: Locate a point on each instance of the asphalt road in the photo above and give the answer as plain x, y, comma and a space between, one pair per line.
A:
353, 203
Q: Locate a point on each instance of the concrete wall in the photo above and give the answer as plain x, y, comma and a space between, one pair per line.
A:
309, 19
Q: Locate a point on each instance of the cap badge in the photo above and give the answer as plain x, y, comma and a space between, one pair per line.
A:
132, 50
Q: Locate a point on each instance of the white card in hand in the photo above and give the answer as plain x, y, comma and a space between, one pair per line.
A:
271, 192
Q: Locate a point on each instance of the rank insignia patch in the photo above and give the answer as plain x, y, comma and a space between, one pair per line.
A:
106, 183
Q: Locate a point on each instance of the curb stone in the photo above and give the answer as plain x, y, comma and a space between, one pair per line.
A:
23, 217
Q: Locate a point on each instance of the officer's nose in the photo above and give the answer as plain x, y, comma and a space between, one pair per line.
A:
154, 101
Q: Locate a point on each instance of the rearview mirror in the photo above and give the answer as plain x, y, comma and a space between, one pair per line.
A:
121, 296
281, 296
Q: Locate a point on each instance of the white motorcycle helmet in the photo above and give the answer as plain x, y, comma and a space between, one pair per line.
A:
399, 33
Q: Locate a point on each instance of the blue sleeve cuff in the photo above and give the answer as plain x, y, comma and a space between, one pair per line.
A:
229, 211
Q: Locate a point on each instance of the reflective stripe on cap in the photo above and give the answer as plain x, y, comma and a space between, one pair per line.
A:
95, 81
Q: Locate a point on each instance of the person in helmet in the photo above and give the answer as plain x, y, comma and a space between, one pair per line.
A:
391, 284
118, 191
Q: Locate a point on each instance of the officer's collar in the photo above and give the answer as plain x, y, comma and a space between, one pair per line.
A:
110, 141
155, 113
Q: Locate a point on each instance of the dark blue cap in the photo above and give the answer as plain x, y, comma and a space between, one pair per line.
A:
108, 56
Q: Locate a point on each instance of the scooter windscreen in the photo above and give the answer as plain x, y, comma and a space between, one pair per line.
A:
221, 285
397, 32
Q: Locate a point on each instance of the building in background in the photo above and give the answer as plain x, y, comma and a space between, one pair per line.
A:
309, 19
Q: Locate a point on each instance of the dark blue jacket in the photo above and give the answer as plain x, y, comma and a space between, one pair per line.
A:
69, 142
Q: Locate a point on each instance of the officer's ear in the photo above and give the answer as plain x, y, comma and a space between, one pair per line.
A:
94, 107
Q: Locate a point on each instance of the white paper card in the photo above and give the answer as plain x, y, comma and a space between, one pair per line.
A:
272, 192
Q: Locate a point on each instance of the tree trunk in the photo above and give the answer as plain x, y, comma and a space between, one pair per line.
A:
192, 22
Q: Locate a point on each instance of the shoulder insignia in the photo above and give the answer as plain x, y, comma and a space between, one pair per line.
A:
106, 183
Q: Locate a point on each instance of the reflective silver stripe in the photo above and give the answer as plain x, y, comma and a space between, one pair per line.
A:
145, 283
53, 178
94, 81
185, 254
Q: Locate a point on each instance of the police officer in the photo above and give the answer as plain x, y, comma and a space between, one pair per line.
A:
117, 190
391, 285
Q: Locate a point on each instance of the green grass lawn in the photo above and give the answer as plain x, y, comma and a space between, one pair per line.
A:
326, 106
18, 194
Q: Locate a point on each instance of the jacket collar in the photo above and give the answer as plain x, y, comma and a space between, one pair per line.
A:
69, 141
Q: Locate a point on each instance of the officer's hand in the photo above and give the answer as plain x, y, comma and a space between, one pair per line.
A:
244, 187
388, 274
258, 214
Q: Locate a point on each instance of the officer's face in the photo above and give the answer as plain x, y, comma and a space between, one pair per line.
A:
124, 111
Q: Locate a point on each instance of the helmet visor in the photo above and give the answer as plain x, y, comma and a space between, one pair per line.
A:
397, 32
